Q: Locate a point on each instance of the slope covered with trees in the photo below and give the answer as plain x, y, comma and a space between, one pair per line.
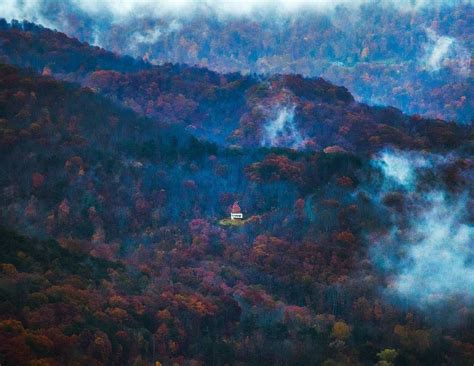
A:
413, 55
281, 111
123, 258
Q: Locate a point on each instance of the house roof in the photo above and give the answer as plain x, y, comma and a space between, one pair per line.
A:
235, 208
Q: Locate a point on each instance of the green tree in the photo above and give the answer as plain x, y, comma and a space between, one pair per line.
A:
387, 357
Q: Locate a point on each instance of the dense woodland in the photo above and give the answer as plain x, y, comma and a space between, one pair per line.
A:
229, 108
118, 175
382, 51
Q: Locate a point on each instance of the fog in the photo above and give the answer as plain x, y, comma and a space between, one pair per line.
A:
427, 254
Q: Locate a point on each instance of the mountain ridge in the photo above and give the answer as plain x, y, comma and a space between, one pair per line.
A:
231, 108
118, 246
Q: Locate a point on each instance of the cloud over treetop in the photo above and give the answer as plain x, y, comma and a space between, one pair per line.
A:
120, 10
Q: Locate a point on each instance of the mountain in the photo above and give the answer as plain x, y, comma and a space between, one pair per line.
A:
275, 111
118, 178
413, 55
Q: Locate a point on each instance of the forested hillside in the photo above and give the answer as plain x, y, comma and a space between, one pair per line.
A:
414, 55
117, 248
276, 111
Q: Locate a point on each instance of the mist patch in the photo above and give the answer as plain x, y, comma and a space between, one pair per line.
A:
281, 130
445, 52
428, 254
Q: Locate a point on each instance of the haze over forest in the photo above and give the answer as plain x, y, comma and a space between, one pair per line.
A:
236, 183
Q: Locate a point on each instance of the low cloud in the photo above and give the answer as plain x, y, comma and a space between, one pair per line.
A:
147, 37
400, 167
31, 10
443, 51
281, 130
428, 254
34, 10
141, 38
438, 262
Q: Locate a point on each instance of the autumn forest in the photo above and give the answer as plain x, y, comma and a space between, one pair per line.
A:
127, 140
